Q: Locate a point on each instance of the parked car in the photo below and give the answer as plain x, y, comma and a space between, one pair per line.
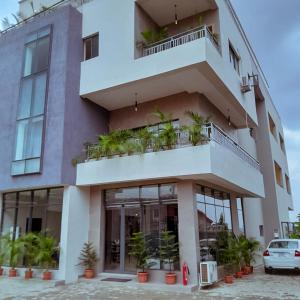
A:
282, 254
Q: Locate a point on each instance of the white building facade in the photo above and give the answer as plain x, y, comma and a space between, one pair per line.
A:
238, 179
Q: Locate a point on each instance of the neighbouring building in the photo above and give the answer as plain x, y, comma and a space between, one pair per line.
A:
73, 70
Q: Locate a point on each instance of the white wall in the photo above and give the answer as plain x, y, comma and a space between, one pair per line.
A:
74, 231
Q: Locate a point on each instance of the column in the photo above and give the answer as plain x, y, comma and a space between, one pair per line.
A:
74, 231
234, 215
97, 225
188, 229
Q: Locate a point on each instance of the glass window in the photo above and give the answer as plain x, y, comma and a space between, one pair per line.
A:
284, 245
240, 212
33, 211
234, 58
91, 47
29, 132
214, 212
36, 56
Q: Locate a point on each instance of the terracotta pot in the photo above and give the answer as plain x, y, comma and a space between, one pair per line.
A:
143, 277
228, 279
248, 270
47, 275
1, 271
170, 278
28, 274
239, 274
89, 273
12, 273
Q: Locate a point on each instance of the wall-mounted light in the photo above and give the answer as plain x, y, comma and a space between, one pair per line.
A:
176, 16
136, 103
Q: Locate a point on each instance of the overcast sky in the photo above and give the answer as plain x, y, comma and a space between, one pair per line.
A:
273, 29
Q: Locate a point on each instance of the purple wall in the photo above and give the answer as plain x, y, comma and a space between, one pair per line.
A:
70, 121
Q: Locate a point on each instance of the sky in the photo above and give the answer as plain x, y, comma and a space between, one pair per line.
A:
273, 29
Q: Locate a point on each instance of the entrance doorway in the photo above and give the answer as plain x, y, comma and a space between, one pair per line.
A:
150, 209
121, 224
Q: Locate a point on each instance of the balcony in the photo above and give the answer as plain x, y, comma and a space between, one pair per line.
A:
219, 160
181, 39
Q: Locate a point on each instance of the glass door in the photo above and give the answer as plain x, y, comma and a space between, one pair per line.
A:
132, 225
112, 240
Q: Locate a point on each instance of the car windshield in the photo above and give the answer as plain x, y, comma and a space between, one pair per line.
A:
284, 245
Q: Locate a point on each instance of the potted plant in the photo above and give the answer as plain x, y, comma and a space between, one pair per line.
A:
168, 134
30, 241
139, 249
154, 36
169, 253
249, 250
88, 259
13, 250
46, 249
195, 130
144, 139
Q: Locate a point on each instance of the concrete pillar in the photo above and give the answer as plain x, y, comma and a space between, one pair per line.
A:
97, 225
234, 216
1, 206
74, 231
188, 229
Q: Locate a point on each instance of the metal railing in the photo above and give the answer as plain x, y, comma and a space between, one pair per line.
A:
181, 39
210, 132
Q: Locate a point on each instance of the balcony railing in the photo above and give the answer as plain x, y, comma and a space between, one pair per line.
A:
180, 39
210, 131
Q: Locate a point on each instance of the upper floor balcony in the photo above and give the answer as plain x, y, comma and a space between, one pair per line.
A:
153, 57
218, 159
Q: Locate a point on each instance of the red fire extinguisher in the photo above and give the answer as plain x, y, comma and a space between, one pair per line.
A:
185, 273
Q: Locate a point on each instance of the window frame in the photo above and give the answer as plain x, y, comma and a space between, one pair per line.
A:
234, 58
91, 37
39, 35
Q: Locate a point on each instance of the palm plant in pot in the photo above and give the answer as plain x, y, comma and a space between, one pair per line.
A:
46, 250
88, 258
167, 135
139, 249
195, 130
249, 251
13, 251
169, 253
30, 241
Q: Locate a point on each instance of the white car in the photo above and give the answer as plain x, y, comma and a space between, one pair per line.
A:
282, 254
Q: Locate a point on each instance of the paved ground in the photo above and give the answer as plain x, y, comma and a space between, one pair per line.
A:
259, 286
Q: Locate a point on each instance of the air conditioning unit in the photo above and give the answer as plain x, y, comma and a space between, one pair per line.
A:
245, 86
208, 273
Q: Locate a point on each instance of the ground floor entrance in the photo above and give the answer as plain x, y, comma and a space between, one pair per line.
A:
147, 209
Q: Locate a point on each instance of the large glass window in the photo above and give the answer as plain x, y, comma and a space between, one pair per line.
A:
32, 211
30, 116
150, 209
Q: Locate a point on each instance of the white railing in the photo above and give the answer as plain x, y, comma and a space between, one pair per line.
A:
210, 131
180, 39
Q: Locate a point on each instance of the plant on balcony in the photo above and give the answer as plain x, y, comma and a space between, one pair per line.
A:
144, 138
140, 250
152, 36
13, 249
30, 241
168, 134
88, 258
46, 250
195, 130
169, 254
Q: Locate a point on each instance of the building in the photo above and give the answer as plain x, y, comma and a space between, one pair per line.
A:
78, 69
